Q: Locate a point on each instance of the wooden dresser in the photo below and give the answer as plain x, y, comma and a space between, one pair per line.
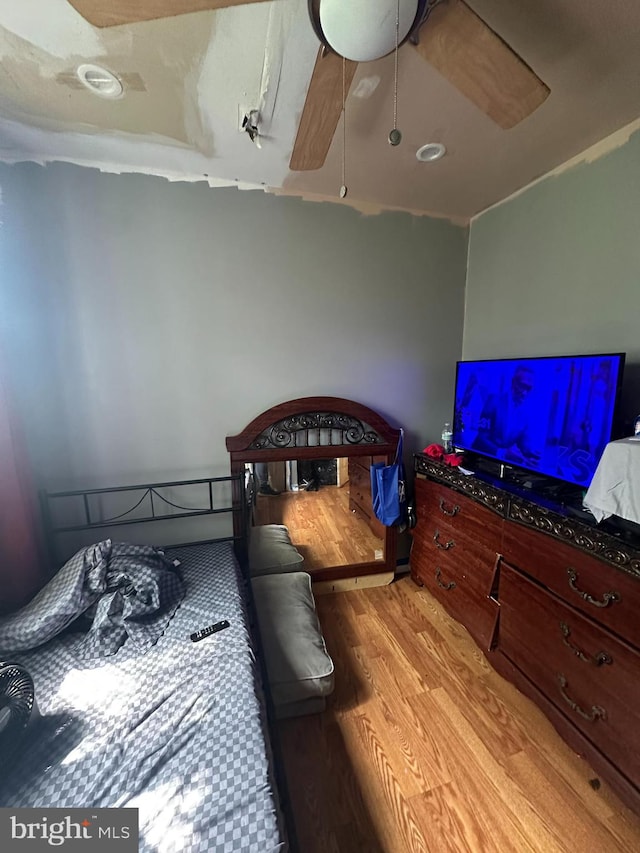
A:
551, 599
360, 492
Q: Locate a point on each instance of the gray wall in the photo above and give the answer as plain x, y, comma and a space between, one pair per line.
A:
556, 270
146, 321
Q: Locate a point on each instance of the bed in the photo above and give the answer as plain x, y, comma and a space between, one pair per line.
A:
132, 713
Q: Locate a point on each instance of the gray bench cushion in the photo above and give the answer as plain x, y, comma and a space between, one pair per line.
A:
271, 550
298, 665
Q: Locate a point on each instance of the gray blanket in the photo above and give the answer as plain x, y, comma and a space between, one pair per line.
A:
121, 592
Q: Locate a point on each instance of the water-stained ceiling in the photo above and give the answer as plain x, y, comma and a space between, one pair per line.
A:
188, 82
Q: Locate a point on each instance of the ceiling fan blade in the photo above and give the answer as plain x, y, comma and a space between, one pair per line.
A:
112, 13
322, 110
480, 64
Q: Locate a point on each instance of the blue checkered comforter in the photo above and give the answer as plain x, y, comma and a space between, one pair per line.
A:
178, 732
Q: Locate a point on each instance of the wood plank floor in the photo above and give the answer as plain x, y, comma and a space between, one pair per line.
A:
322, 527
424, 747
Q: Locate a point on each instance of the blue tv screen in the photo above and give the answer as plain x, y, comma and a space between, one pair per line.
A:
551, 415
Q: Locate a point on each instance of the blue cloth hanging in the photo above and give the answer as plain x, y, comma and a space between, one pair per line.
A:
388, 492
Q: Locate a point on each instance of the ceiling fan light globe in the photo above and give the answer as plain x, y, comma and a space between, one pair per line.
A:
364, 30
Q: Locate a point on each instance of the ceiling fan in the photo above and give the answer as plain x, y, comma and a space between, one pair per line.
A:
446, 33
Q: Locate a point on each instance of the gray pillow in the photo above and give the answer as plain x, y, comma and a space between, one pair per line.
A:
298, 664
271, 550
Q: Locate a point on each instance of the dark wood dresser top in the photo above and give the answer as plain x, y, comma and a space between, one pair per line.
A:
616, 544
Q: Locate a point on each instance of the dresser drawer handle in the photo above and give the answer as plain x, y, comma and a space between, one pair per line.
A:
454, 511
607, 598
444, 546
596, 711
450, 585
597, 660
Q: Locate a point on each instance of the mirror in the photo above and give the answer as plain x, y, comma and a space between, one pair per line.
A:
301, 440
326, 506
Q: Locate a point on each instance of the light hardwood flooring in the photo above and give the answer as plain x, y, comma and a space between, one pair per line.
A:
322, 527
424, 747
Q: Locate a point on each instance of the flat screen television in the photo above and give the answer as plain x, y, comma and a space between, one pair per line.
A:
550, 415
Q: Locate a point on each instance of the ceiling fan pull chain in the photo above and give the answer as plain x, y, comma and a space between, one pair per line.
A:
395, 136
343, 188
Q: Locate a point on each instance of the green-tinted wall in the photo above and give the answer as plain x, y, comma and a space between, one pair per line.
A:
557, 269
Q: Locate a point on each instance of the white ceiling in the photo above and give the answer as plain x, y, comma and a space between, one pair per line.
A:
190, 79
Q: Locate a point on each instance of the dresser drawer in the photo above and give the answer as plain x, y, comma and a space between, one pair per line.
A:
365, 512
460, 593
606, 594
457, 533
588, 674
460, 556
360, 476
440, 507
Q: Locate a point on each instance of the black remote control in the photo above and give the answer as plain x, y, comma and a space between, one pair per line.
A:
207, 632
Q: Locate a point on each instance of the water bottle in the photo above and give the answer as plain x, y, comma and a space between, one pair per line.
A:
447, 437
636, 426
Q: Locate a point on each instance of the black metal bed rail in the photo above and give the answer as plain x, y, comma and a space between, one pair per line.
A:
149, 491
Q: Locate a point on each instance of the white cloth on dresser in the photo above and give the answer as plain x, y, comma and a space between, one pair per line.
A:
615, 488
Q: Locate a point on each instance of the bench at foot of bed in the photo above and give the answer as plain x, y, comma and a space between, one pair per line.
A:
299, 669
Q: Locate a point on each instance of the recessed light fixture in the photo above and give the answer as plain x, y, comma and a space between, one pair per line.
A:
99, 81
430, 152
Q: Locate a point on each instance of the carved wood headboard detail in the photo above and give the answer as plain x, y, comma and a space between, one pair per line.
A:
317, 428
